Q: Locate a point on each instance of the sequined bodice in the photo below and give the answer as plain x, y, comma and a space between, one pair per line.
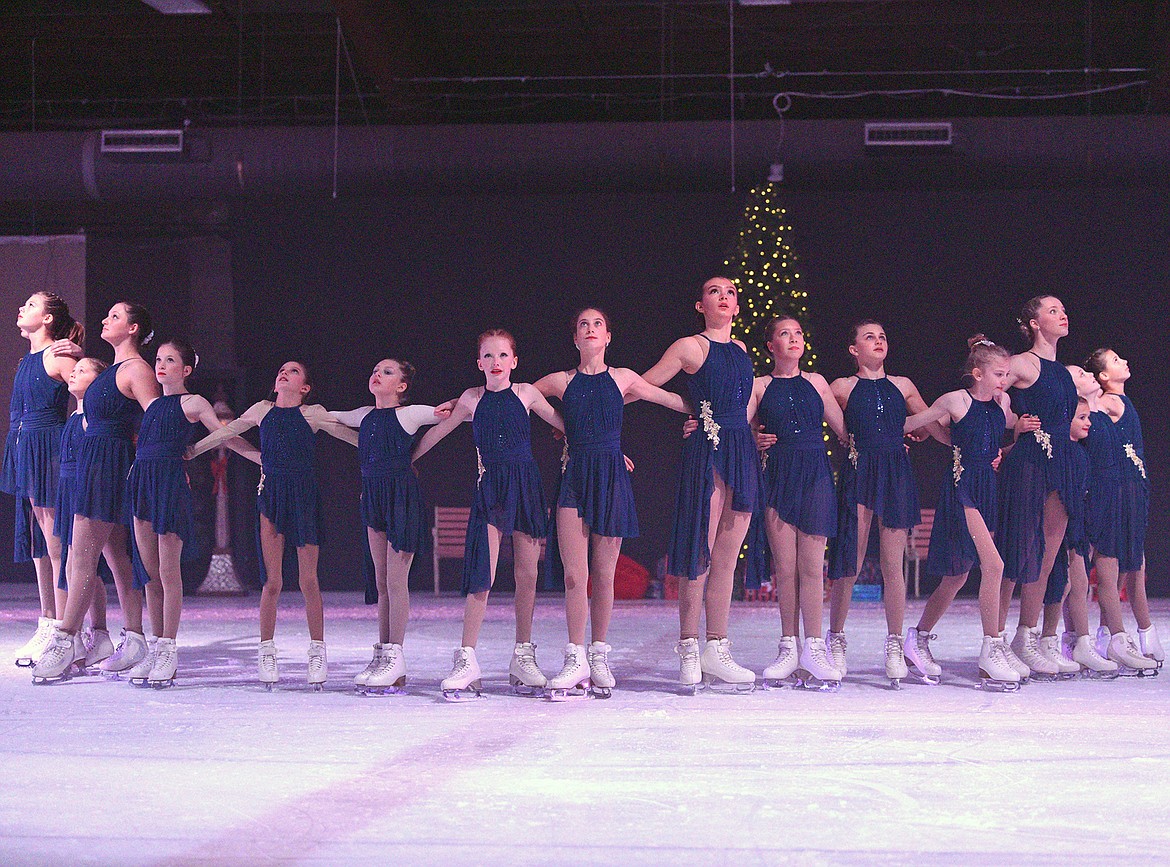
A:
383, 444
108, 412
725, 383
1052, 398
1104, 444
592, 406
165, 431
792, 409
71, 437
501, 428
875, 414
979, 433
38, 400
286, 441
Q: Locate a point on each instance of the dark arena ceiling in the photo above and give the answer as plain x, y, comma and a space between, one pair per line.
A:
84, 64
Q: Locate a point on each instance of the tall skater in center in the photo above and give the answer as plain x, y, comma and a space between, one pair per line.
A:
719, 486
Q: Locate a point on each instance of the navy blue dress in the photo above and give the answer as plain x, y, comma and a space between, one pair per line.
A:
724, 445
36, 418
392, 501
508, 494
798, 481
877, 473
289, 497
1134, 493
71, 438
1101, 515
1076, 537
107, 451
975, 440
1037, 465
159, 492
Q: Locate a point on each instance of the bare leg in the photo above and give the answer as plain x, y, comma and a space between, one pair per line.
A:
1032, 595
730, 532
602, 566
89, 537
526, 563
942, 597
810, 567
1107, 593
1052, 613
379, 551
1135, 583
48, 567
307, 556
782, 541
841, 593
475, 606
272, 548
990, 569
148, 553
97, 608
692, 593
398, 586
573, 539
892, 543
117, 551
170, 557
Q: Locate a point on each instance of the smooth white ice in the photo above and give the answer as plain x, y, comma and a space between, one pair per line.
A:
217, 771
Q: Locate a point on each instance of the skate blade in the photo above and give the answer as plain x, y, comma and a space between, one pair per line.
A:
690, 688
317, 687
112, 675
723, 686
928, 679
601, 692
139, 682
473, 692
49, 681
1093, 674
816, 685
268, 685
895, 683
25, 662
161, 684
790, 682
393, 689
519, 687
572, 693
988, 684
1040, 677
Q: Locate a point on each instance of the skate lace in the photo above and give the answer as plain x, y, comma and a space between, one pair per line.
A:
88, 639
688, 653
819, 654
525, 655
120, 650
388, 661
723, 651
599, 659
570, 664
923, 643
999, 654
268, 661
462, 665
893, 647
316, 660
59, 647
838, 642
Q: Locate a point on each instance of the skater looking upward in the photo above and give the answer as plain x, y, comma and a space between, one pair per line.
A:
392, 510
718, 488
595, 506
976, 417
1107, 525
508, 501
160, 498
799, 500
114, 404
290, 507
36, 419
876, 483
1035, 482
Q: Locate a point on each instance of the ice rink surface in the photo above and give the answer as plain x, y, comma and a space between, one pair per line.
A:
217, 771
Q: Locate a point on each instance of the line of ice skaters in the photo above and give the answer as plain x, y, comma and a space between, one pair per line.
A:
814, 663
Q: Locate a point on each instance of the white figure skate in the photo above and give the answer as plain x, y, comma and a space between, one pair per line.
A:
524, 674
389, 678
896, 669
573, 680
996, 673
464, 682
722, 673
600, 676
816, 669
318, 665
782, 671
919, 657
690, 674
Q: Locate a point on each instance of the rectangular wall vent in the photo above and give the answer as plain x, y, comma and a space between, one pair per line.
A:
936, 134
142, 141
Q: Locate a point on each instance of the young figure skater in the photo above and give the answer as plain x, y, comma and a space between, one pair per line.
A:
719, 487
289, 504
1035, 478
37, 416
160, 499
876, 482
393, 512
976, 417
799, 503
98, 646
1112, 372
595, 505
101, 523
508, 501
1108, 526
1068, 584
